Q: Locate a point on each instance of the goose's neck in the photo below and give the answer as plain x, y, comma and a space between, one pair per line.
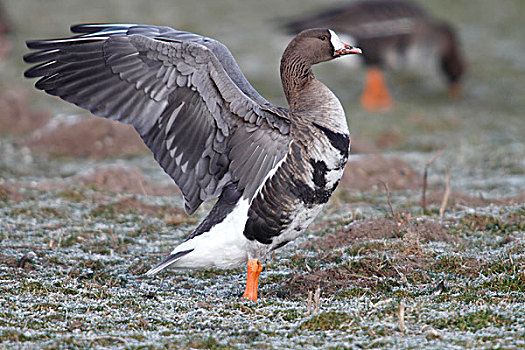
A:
296, 75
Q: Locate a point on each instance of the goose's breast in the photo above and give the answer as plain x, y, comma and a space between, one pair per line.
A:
328, 154
301, 186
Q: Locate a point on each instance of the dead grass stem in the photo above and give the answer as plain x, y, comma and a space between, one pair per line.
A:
425, 180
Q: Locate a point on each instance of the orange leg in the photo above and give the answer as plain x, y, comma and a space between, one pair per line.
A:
375, 96
254, 270
454, 91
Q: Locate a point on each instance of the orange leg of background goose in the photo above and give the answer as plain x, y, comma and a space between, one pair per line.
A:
454, 91
254, 270
375, 96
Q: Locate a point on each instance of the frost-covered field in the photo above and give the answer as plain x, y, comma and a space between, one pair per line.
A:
78, 233
72, 276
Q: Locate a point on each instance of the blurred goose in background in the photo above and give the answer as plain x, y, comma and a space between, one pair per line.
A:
272, 169
5, 31
393, 34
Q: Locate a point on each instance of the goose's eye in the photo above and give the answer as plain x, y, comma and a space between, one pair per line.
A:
323, 37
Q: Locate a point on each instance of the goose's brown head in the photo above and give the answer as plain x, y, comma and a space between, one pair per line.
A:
319, 45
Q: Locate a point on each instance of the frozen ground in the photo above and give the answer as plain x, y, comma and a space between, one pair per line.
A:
77, 231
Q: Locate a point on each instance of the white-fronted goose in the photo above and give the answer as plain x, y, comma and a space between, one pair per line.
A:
272, 169
392, 34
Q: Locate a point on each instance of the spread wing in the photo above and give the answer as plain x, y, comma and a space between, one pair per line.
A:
183, 93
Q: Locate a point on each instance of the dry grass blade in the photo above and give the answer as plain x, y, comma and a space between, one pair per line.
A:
394, 215
401, 317
317, 296
425, 177
309, 307
445, 195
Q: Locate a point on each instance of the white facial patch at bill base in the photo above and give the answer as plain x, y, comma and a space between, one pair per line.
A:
350, 61
336, 42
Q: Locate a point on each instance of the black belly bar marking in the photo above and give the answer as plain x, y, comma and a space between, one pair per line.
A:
263, 224
269, 212
339, 141
312, 196
320, 171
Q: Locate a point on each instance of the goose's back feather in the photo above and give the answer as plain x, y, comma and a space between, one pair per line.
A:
365, 20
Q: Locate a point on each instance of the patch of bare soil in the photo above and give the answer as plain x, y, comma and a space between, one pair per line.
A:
401, 260
25, 262
390, 139
379, 266
105, 178
113, 179
86, 137
422, 231
16, 117
370, 272
132, 204
121, 180
380, 273
362, 146
369, 172
9, 192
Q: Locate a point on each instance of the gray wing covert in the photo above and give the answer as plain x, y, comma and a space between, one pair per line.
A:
183, 93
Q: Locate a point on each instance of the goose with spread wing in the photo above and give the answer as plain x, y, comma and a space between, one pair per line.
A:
271, 169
